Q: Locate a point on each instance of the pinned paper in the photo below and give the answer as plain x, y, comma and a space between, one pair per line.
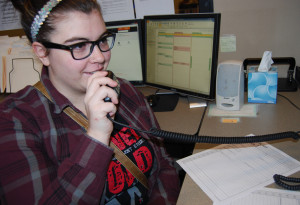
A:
228, 43
266, 62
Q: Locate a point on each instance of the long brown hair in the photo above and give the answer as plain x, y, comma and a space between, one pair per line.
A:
30, 8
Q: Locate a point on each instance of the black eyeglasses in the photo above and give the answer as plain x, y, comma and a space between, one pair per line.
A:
84, 49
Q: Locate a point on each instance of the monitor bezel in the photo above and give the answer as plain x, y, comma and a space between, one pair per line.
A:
139, 22
214, 65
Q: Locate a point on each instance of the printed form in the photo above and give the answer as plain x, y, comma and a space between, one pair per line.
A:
228, 172
267, 196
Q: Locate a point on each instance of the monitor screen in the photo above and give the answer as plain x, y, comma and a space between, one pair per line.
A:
182, 53
127, 57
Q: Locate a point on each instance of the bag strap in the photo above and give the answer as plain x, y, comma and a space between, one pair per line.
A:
83, 122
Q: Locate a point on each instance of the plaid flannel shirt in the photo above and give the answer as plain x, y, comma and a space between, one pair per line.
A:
47, 158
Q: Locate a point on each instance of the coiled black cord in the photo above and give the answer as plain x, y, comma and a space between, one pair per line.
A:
279, 181
178, 137
185, 138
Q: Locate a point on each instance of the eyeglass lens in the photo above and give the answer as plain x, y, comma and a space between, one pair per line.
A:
84, 49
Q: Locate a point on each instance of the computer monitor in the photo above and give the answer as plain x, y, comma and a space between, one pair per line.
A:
127, 58
182, 53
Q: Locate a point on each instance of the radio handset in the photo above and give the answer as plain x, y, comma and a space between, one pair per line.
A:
117, 88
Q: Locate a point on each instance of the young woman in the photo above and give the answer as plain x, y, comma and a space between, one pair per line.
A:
48, 158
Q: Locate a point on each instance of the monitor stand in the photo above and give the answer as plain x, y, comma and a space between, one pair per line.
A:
196, 102
165, 102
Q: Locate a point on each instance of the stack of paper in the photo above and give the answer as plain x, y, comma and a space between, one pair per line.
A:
227, 173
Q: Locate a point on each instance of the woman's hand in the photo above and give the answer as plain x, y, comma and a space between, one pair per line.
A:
100, 127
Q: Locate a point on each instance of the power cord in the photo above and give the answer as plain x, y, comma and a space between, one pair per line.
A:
289, 101
201, 121
279, 180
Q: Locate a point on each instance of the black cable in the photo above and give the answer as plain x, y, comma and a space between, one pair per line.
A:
289, 101
186, 138
121, 124
201, 121
279, 180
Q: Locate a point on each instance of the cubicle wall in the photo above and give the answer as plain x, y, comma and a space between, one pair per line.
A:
259, 26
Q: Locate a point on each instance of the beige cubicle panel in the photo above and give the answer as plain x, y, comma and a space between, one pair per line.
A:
259, 26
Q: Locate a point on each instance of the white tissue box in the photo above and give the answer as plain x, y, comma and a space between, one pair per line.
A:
262, 86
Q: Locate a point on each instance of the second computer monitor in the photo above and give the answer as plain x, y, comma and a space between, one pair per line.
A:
182, 53
127, 57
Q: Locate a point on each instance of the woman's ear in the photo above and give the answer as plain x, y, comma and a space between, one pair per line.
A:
41, 52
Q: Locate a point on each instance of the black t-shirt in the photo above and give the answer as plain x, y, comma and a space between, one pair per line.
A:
121, 186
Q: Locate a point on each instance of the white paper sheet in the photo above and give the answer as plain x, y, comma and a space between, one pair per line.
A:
267, 196
228, 172
116, 10
9, 17
247, 110
153, 7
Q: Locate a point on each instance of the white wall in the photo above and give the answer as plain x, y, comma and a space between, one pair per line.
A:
261, 25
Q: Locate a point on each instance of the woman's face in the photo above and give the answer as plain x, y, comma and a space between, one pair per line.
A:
70, 76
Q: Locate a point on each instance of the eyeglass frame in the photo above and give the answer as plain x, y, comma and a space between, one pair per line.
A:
93, 43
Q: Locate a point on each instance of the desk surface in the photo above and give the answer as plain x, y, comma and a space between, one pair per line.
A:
271, 118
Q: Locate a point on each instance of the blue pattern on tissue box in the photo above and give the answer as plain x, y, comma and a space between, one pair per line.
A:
262, 86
